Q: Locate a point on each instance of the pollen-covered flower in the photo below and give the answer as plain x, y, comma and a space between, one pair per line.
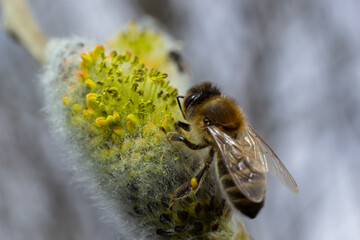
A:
155, 48
108, 108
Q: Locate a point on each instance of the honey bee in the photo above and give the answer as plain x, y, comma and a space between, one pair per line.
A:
242, 156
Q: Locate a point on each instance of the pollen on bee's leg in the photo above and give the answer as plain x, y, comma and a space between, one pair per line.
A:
194, 183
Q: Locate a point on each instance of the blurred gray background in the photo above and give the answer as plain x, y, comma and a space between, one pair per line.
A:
294, 66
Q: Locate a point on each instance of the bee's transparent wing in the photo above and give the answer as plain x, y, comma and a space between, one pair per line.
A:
275, 166
243, 164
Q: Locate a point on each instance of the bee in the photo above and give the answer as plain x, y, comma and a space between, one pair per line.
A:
242, 157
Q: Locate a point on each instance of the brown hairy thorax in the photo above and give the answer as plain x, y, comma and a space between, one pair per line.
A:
206, 101
225, 114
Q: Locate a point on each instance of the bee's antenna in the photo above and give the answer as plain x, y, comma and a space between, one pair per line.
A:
179, 104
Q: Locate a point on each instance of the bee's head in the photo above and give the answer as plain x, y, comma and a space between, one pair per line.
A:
196, 95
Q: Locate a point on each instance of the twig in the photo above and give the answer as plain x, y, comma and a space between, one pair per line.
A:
19, 22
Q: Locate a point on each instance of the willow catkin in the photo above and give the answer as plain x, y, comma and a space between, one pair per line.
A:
107, 105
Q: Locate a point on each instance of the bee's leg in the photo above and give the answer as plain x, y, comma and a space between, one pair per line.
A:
181, 125
172, 136
192, 185
178, 138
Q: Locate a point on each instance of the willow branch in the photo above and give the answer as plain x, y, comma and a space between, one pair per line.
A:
19, 22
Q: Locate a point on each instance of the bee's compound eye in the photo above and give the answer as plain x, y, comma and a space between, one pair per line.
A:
207, 122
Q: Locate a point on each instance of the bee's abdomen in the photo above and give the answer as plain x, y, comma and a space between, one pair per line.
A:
237, 199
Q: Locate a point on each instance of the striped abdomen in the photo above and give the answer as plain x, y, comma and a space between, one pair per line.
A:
236, 198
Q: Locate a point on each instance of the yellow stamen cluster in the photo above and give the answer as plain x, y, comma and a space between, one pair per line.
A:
116, 85
145, 43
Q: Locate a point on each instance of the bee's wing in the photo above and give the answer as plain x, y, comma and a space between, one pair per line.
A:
247, 171
275, 166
